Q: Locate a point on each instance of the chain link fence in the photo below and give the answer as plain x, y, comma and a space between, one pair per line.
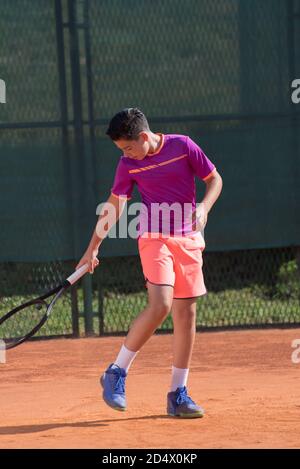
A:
245, 289
218, 71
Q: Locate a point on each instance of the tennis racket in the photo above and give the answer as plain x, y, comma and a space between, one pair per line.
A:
25, 320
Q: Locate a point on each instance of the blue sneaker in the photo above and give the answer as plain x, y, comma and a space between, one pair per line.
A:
113, 383
179, 404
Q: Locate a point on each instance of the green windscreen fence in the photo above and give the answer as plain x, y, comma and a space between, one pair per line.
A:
218, 71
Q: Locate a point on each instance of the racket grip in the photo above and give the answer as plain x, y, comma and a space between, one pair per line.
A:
77, 274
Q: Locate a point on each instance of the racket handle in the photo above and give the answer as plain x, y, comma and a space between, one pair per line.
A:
77, 274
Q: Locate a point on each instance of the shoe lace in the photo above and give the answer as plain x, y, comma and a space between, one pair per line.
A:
183, 397
118, 382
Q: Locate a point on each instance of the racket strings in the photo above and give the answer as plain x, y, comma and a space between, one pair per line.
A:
22, 322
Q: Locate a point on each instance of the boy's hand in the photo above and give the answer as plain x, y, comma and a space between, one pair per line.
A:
90, 258
201, 217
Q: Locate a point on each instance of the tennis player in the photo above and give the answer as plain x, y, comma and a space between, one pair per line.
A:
170, 242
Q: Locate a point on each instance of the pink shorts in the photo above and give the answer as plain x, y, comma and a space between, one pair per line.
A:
175, 261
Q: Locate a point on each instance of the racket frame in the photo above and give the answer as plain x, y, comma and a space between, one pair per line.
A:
57, 291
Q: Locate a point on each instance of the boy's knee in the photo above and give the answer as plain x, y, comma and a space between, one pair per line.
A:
186, 316
160, 310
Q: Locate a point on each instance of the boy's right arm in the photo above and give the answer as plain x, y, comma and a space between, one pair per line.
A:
109, 215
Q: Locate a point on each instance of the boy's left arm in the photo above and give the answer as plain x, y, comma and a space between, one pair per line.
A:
214, 186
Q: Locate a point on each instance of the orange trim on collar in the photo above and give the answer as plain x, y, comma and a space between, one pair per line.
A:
160, 146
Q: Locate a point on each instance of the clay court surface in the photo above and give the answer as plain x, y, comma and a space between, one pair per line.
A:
245, 380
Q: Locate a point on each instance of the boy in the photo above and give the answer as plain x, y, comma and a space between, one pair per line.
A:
164, 168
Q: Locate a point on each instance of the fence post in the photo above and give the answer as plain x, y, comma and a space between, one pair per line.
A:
73, 233
292, 16
100, 306
80, 186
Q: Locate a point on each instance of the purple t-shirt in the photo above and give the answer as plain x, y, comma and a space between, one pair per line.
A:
166, 182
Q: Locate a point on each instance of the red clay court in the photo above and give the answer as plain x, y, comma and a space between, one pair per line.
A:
245, 380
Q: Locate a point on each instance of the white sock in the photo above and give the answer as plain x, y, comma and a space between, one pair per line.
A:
125, 358
179, 377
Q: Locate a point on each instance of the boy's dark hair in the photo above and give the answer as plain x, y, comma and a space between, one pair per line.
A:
127, 124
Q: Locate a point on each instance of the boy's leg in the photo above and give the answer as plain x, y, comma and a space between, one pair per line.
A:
160, 299
113, 381
159, 305
184, 321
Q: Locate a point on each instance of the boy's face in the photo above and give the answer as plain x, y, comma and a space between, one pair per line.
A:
135, 149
